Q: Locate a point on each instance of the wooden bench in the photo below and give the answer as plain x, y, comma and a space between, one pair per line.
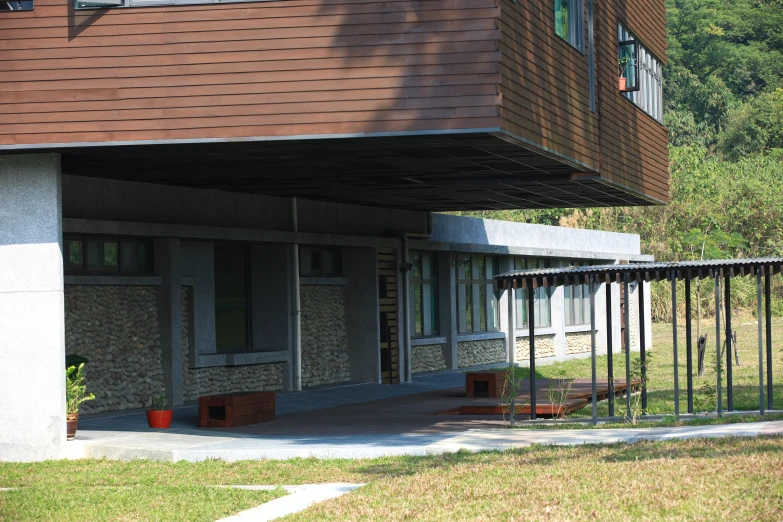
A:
485, 384
236, 409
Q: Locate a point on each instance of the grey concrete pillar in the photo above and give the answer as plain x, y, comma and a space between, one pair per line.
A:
32, 319
362, 314
447, 308
168, 266
508, 320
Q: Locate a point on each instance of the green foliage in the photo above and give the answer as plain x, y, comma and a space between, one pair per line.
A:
159, 402
75, 389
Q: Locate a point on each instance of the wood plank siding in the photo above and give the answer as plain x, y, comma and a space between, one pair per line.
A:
293, 67
634, 146
545, 92
345, 68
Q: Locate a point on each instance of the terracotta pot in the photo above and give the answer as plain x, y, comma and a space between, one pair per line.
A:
159, 419
71, 421
623, 83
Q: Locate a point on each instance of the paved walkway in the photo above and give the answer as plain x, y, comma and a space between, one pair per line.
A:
355, 421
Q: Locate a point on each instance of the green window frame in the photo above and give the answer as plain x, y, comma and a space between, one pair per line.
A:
423, 282
477, 299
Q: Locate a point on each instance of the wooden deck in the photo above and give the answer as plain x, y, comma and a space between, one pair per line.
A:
579, 396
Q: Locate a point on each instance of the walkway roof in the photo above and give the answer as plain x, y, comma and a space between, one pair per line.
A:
552, 277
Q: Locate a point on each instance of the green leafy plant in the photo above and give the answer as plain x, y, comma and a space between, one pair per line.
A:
75, 389
638, 376
159, 402
508, 397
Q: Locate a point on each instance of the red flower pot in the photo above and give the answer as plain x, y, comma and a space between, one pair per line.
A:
159, 419
72, 422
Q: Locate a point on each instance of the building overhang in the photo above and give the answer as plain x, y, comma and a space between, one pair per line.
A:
442, 171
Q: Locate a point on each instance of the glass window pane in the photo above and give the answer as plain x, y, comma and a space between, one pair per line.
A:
432, 302
76, 253
426, 309
492, 309
482, 308
468, 308
110, 257
462, 313
561, 18
569, 316
519, 305
128, 257
417, 310
416, 260
143, 258
231, 297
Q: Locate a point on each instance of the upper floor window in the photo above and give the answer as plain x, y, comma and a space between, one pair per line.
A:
569, 22
319, 262
541, 296
17, 5
640, 74
424, 294
477, 301
101, 255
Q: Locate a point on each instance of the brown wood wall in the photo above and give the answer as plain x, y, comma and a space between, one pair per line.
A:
545, 84
634, 151
291, 67
546, 91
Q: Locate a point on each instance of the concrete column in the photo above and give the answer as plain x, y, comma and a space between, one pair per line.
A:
447, 308
507, 322
32, 318
168, 266
362, 314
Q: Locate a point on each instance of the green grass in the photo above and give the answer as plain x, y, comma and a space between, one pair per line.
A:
660, 371
102, 490
716, 479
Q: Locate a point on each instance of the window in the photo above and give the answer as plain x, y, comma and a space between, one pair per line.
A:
577, 301
641, 75
17, 5
569, 22
232, 303
541, 296
477, 301
100, 255
319, 262
424, 294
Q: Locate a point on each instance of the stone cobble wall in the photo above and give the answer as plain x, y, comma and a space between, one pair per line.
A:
116, 328
479, 353
324, 337
578, 342
427, 358
222, 379
545, 347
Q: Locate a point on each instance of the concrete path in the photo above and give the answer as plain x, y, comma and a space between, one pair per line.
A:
298, 499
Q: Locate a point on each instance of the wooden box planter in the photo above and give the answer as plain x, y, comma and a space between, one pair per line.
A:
485, 384
236, 409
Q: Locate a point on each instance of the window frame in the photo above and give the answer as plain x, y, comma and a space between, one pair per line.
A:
648, 96
475, 280
72, 269
583, 300
575, 37
520, 298
337, 261
20, 9
416, 278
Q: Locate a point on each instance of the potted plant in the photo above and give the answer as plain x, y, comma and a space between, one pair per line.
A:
159, 417
623, 68
75, 394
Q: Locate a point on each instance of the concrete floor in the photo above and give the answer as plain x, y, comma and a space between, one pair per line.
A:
359, 420
352, 421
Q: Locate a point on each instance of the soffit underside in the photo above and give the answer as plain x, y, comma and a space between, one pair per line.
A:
425, 172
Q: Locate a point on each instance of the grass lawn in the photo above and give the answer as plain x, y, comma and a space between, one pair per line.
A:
697, 479
660, 371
